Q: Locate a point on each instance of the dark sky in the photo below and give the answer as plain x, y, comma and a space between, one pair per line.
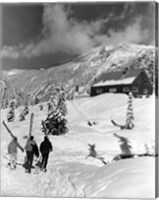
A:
42, 35
21, 23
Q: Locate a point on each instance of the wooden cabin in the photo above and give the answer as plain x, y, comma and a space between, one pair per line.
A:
135, 80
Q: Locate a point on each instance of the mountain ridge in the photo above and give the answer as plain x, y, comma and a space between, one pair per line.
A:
82, 70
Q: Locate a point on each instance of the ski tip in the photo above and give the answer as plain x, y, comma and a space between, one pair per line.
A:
3, 122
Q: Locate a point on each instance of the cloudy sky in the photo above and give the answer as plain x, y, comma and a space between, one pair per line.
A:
42, 35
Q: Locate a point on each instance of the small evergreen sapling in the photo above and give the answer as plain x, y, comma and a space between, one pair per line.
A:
26, 110
41, 107
23, 113
5, 103
11, 113
130, 116
22, 116
12, 103
49, 107
62, 111
125, 148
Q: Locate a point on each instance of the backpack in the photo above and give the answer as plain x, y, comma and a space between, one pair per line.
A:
36, 150
29, 145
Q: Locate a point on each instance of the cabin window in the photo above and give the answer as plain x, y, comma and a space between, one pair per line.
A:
125, 89
135, 89
112, 90
99, 91
145, 91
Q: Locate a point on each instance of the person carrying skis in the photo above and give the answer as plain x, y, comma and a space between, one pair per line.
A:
45, 149
31, 149
12, 150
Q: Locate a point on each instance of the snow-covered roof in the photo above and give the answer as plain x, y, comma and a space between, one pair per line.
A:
117, 78
116, 82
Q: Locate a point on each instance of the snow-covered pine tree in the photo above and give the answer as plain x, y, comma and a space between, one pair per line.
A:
26, 110
55, 122
103, 51
52, 101
5, 103
125, 148
11, 114
130, 116
41, 106
49, 107
12, 103
62, 111
22, 116
147, 152
35, 100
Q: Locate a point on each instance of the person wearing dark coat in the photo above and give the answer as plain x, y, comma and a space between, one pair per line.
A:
31, 150
45, 149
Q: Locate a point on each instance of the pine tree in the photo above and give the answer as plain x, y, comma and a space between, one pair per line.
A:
55, 122
52, 104
12, 103
26, 110
11, 114
124, 145
49, 107
22, 116
5, 103
41, 107
35, 100
129, 117
62, 111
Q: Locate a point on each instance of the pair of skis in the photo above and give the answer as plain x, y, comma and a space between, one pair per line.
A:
30, 127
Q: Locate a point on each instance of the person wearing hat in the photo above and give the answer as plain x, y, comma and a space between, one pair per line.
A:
45, 149
12, 150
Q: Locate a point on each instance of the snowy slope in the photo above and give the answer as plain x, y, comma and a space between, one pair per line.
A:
70, 172
12, 72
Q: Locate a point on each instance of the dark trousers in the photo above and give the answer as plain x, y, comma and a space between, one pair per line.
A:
45, 157
29, 160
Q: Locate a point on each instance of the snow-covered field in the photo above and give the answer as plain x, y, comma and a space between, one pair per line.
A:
70, 172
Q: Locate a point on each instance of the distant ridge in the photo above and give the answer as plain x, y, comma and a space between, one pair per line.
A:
82, 70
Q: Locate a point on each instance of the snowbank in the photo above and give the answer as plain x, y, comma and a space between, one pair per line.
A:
70, 172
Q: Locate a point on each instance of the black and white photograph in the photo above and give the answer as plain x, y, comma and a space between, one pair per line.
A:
78, 93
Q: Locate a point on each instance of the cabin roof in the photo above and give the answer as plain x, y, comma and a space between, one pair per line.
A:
117, 78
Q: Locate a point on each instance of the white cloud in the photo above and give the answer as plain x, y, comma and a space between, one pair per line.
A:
9, 51
62, 33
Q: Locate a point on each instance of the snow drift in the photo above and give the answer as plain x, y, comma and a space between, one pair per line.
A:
70, 172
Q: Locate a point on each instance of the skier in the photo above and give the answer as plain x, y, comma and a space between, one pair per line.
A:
12, 150
31, 149
45, 149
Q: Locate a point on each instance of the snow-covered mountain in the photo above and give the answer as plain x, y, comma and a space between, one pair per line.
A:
12, 72
82, 70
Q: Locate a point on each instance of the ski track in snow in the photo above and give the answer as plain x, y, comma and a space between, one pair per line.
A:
70, 173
